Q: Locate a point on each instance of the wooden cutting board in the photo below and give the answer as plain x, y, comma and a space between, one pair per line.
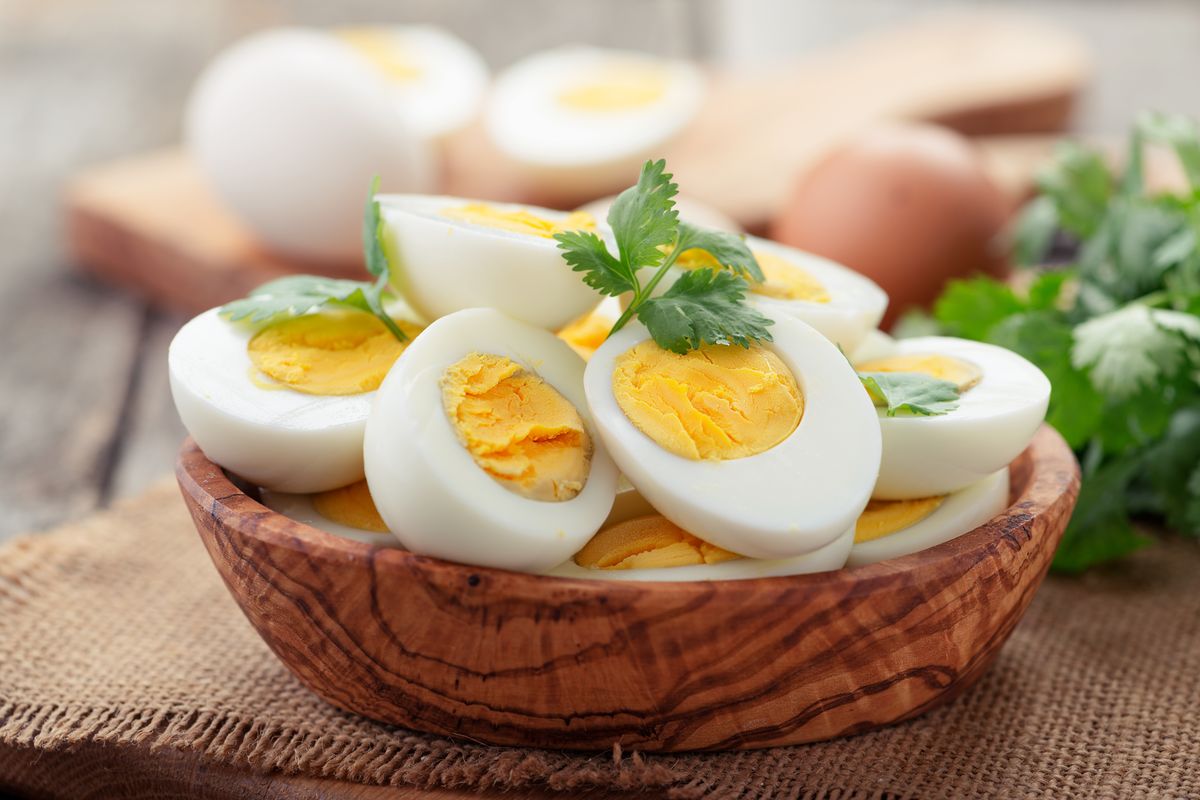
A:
151, 224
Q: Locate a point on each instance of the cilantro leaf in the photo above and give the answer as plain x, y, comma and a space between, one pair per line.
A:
372, 235
728, 249
1178, 131
970, 308
703, 307
587, 253
1034, 232
1047, 287
643, 217
914, 392
1133, 347
1173, 469
1100, 529
1079, 185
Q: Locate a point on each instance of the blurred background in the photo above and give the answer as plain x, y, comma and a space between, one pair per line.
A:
85, 413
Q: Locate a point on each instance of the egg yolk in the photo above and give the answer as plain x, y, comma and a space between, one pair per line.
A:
885, 517
647, 543
517, 427
713, 403
351, 506
586, 334
962, 374
617, 87
382, 50
521, 221
781, 278
331, 353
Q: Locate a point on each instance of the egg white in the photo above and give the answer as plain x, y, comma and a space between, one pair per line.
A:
444, 265
275, 437
585, 151
790, 500
426, 485
830, 557
876, 344
960, 512
994, 421
299, 507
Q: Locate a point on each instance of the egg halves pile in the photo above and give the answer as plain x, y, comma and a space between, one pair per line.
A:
485, 438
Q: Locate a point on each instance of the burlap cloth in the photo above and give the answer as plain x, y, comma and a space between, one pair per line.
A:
118, 630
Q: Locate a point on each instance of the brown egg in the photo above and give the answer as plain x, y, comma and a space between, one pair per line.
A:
907, 205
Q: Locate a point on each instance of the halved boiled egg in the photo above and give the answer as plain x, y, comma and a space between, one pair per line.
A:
584, 118
437, 80
450, 253
1003, 402
282, 405
893, 528
839, 302
652, 548
347, 511
480, 447
769, 451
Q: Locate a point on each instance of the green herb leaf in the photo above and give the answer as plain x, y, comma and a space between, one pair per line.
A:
703, 307
1133, 348
587, 253
1046, 288
1034, 232
971, 308
1100, 529
913, 392
1180, 133
643, 218
728, 249
372, 234
1079, 184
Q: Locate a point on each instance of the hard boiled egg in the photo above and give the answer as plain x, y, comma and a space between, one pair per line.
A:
583, 119
1003, 402
283, 405
450, 253
480, 447
652, 548
348, 512
893, 528
288, 127
769, 452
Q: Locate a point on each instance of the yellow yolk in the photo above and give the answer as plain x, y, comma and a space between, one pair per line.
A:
713, 403
517, 427
647, 543
961, 373
586, 334
781, 278
521, 221
618, 87
885, 517
351, 506
381, 49
330, 353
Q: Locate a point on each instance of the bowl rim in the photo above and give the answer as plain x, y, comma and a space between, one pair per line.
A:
1041, 477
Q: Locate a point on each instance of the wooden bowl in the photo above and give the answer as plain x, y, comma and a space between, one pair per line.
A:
515, 659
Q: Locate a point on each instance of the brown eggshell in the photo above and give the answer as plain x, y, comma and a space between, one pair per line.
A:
907, 205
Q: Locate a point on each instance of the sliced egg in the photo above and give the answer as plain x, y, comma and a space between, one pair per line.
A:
282, 405
840, 303
480, 447
894, 528
584, 118
451, 253
652, 548
437, 80
769, 452
586, 334
1003, 402
347, 511
876, 344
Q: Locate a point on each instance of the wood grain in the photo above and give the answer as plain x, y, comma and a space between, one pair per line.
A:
516, 659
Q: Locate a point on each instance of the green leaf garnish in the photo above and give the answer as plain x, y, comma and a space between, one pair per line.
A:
296, 295
703, 306
913, 392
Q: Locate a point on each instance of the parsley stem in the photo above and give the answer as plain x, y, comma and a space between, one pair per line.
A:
391, 325
640, 293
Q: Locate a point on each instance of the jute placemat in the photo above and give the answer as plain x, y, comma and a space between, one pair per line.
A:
117, 630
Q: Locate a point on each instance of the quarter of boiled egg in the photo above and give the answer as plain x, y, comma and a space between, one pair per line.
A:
583, 119
449, 253
347, 511
437, 80
1003, 402
282, 405
652, 548
893, 528
769, 451
840, 303
289, 127
480, 447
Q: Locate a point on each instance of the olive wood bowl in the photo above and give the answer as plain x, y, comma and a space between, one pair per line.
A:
514, 659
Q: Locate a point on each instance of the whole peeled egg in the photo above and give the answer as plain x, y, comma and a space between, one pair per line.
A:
908, 205
288, 127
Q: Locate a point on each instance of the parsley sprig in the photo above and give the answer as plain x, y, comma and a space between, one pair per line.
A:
296, 295
705, 305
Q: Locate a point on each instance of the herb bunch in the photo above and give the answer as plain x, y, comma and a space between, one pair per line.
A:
1117, 331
